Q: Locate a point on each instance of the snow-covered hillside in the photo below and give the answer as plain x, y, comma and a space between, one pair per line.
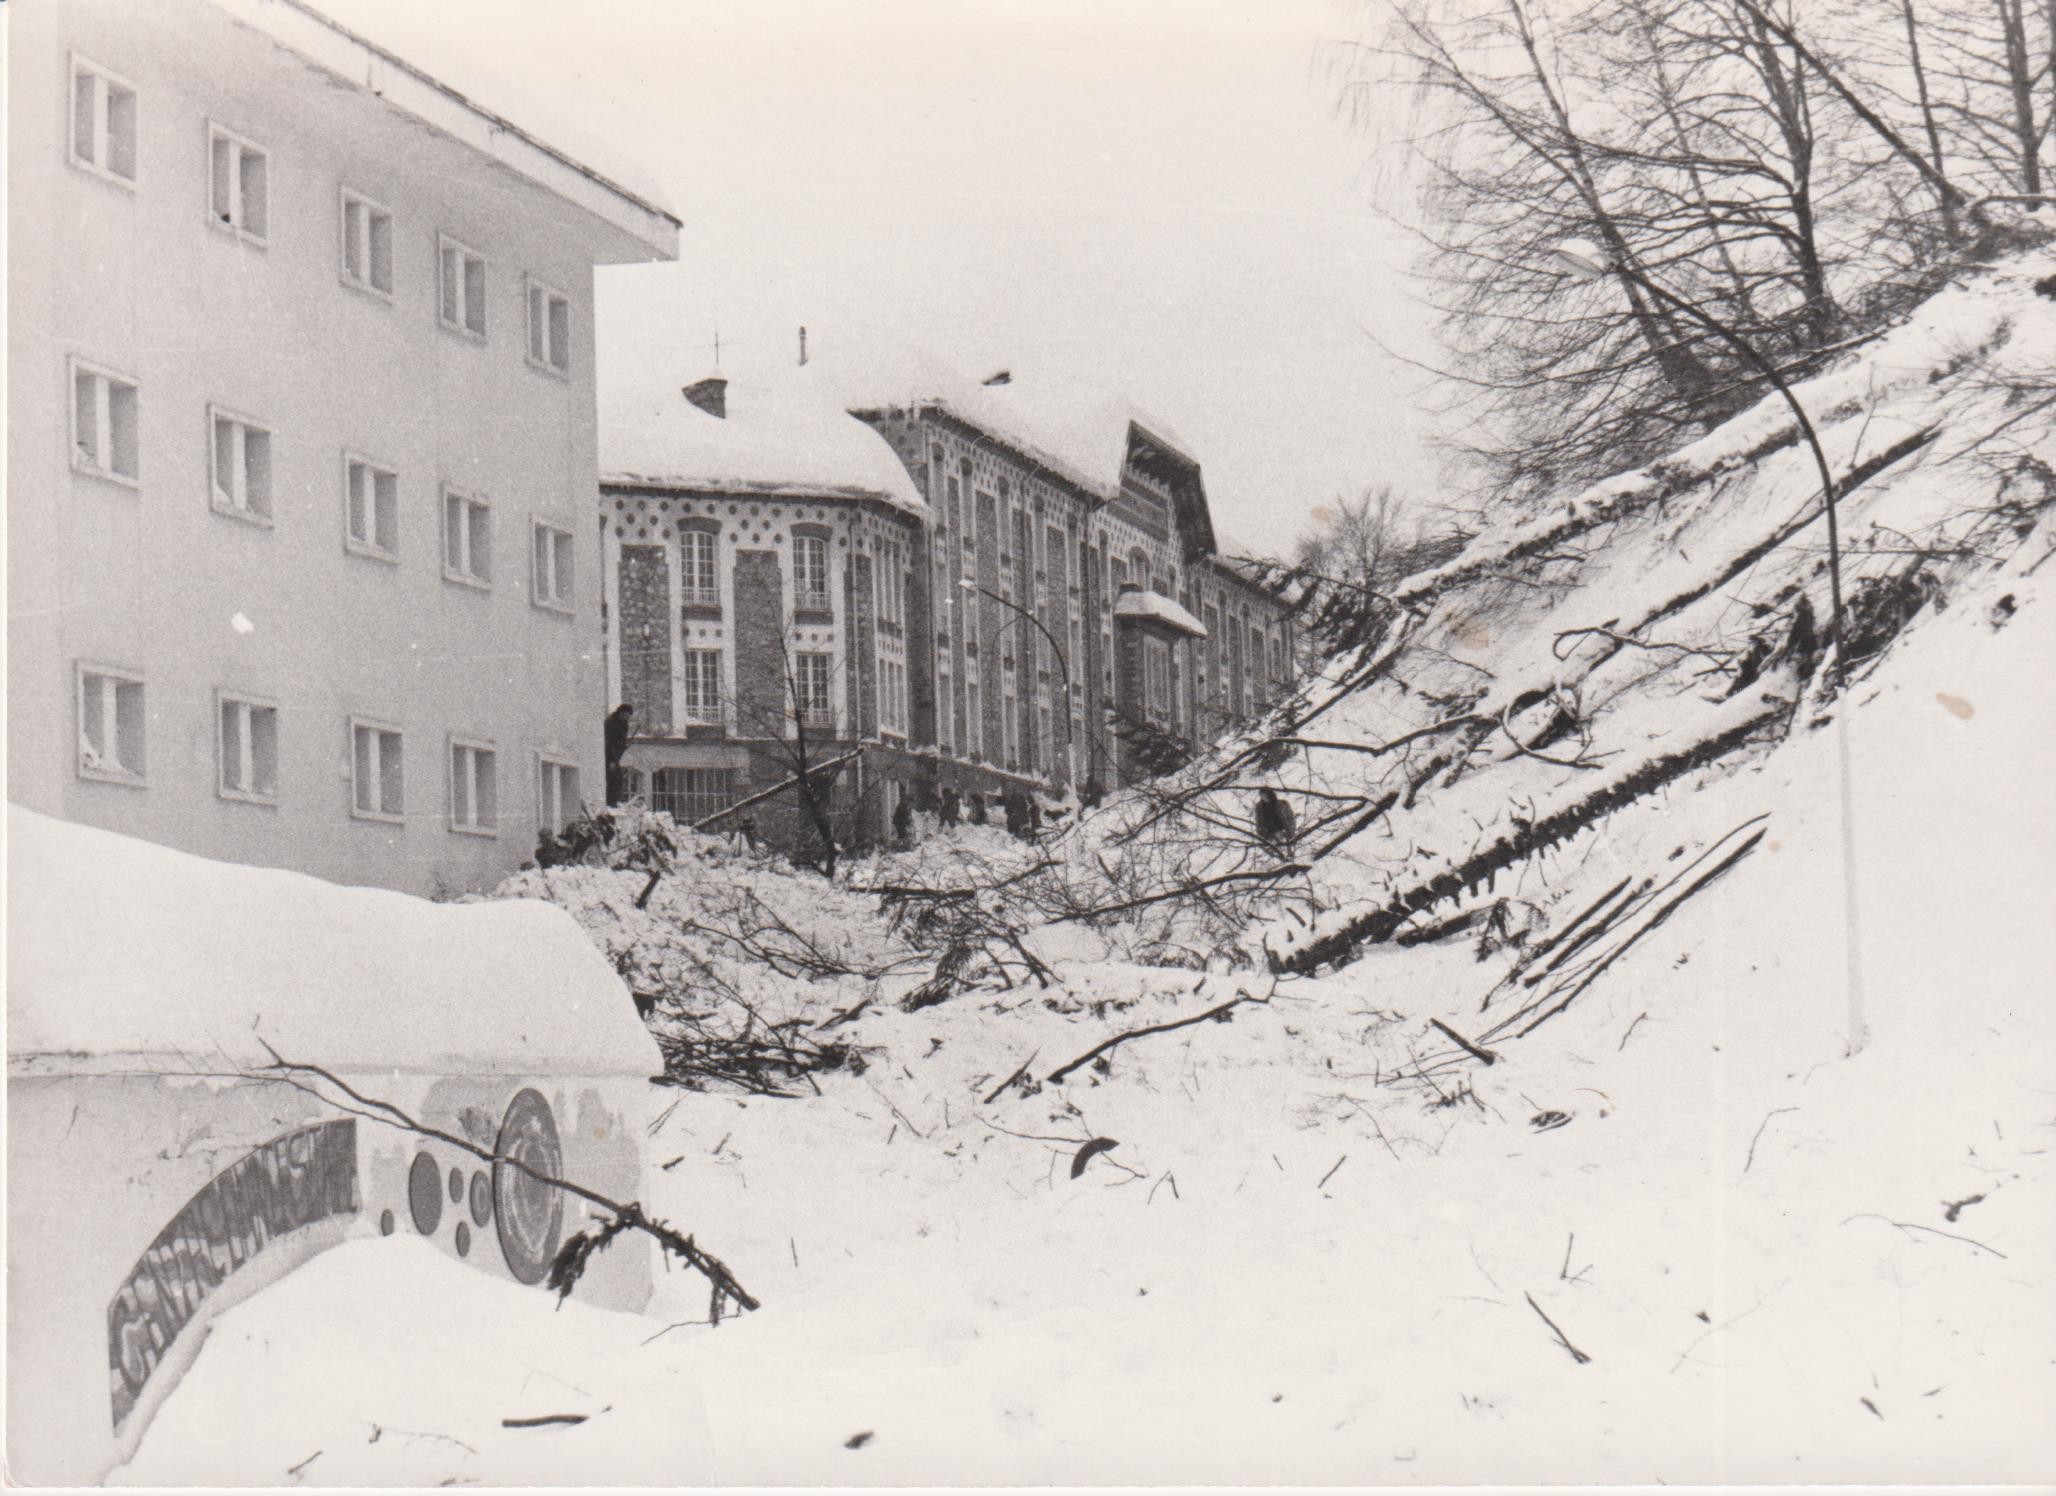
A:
1674, 1230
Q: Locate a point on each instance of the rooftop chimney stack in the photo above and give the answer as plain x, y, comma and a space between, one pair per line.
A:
803, 348
709, 394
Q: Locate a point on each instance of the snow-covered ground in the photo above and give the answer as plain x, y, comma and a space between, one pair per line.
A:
1675, 1232
1316, 1277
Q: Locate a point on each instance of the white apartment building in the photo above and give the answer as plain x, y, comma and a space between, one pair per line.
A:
302, 568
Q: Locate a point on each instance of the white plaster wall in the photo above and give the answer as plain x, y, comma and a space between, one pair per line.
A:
149, 579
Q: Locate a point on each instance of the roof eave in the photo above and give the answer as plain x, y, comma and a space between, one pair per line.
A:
642, 230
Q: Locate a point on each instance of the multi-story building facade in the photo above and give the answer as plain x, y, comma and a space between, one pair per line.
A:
984, 586
302, 446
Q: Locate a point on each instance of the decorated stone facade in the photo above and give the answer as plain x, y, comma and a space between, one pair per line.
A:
983, 618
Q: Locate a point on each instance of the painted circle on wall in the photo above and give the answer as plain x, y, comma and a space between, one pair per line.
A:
481, 1199
530, 1213
456, 1185
463, 1240
385, 1223
425, 1194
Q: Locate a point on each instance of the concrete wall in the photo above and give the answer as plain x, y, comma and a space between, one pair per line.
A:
119, 1255
149, 578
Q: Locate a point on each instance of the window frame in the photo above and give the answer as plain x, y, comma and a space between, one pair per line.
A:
473, 500
531, 285
258, 238
224, 697
561, 598
711, 713
345, 196
107, 376
691, 596
370, 549
545, 763
463, 743
103, 77
806, 601
264, 518
357, 724
132, 778
823, 715
462, 327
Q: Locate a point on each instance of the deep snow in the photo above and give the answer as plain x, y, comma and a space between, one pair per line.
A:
1784, 1262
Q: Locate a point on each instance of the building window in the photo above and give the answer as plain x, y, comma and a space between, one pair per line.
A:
1010, 730
811, 690
367, 230
703, 686
549, 328
467, 538
104, 421
700, 577
892, 584
945, 701
247, 741
556, 792
690, 796
974, 720
103, 122
377, 788
892, 697
371, 504
241, 464
553, 569
810, 573
1156, 678
239, 176
460, 287
110, 725
474, 788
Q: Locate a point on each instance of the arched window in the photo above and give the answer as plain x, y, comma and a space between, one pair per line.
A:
810, 569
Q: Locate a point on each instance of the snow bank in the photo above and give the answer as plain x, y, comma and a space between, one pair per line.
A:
120, 948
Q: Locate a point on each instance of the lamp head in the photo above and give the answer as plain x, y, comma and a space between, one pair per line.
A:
1582, 259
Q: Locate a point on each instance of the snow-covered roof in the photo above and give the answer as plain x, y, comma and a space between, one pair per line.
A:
1054, 416
1137, 603
540, 145
786, 434
120, 948
789, 427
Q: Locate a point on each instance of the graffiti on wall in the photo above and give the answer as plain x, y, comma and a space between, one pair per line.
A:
295, 1180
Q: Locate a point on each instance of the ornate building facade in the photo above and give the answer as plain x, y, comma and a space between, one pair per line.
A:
984, 587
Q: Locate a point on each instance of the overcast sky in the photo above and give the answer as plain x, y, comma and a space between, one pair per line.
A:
1155, 191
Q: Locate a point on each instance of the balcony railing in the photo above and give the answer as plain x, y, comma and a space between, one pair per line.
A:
811, 602
817, 718
700, 597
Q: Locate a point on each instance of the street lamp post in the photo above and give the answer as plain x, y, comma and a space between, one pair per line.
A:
1063, 665
1588, 262
1063, 668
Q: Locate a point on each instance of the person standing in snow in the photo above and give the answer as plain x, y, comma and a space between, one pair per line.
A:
1094, 792
1276, 826
949, 806
977, 809
903, 820
617, 730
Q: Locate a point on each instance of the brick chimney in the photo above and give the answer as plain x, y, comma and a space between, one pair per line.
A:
710, 395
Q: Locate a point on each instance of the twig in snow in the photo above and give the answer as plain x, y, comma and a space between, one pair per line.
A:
1951, 1208
1170, 1179
642, 900
1155, 1028
542, 1420
1561, 1339
296, 1469
1873, 1408
1872, 1215
1331, 1173
1017, 1075
1483, 1056
1759, 1136
1630, 1032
